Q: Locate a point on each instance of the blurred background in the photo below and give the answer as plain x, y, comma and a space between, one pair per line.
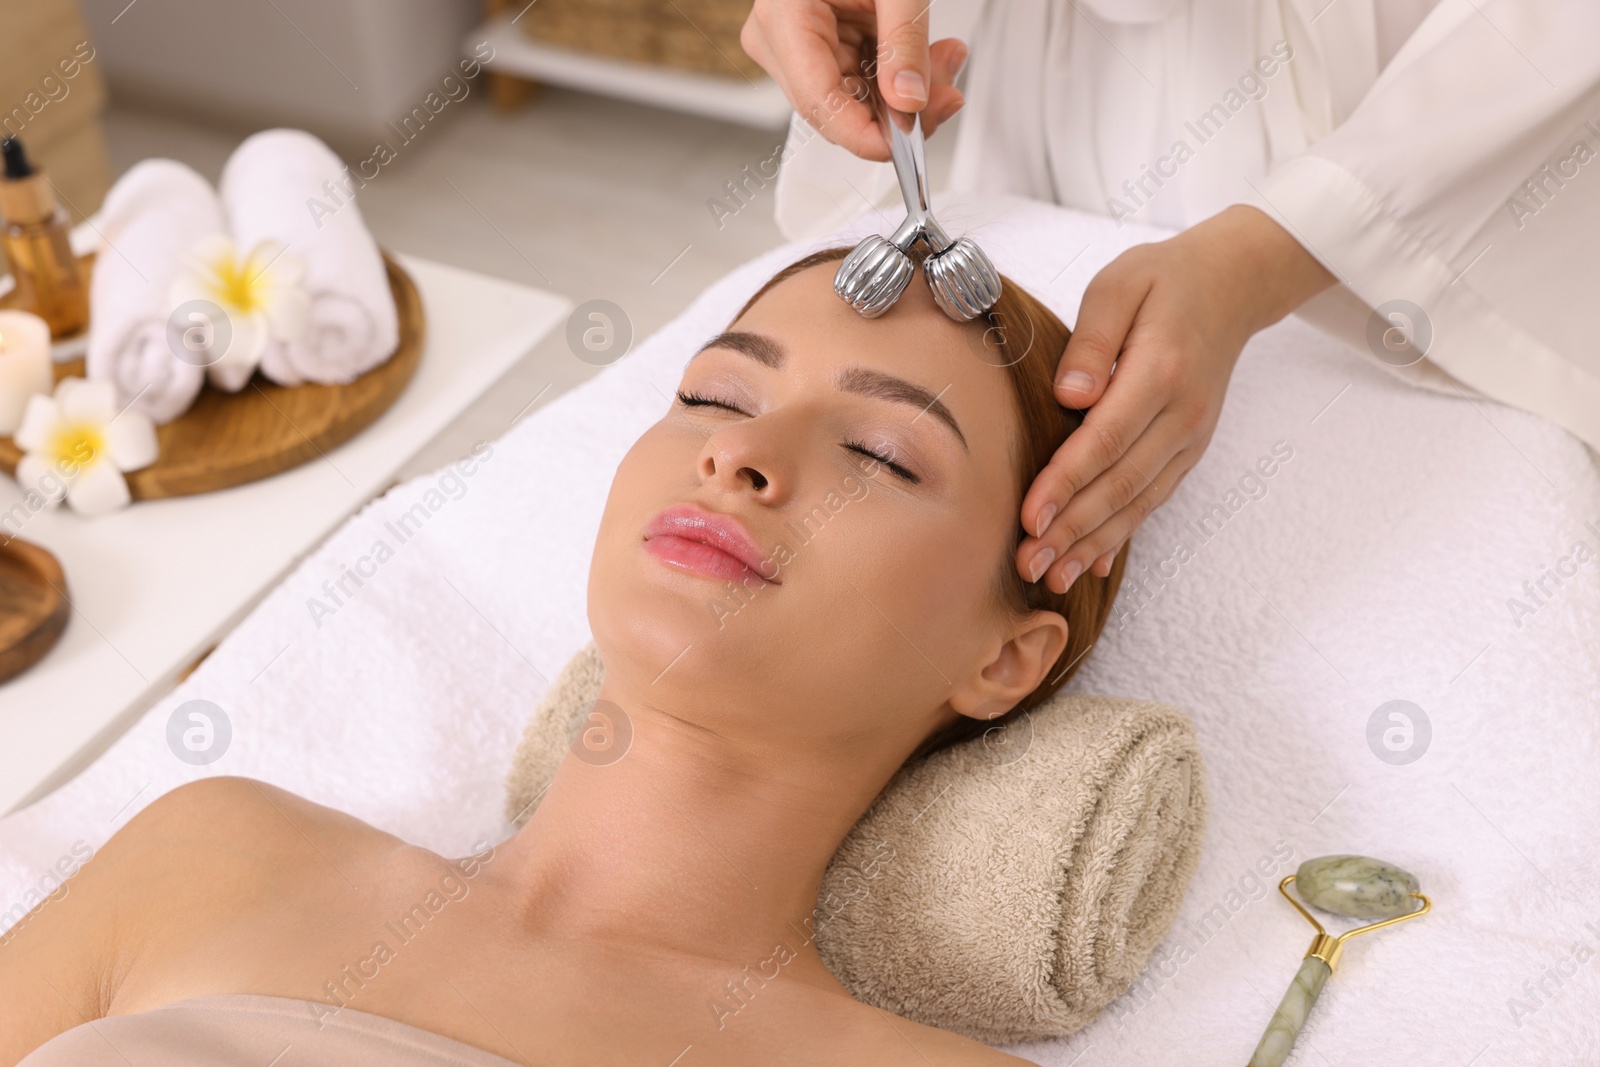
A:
588, 156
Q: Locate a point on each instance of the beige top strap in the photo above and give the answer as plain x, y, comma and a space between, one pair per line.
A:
253, 1031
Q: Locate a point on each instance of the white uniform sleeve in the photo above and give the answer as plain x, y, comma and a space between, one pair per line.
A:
1466, 184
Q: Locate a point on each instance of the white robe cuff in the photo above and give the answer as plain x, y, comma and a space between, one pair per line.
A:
1349, 229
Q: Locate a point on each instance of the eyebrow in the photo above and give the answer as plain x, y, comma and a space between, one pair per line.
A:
763, 350
861, 381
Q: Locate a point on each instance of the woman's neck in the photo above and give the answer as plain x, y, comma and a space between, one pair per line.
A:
693, 842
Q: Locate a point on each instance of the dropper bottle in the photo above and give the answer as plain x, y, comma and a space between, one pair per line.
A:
37, 242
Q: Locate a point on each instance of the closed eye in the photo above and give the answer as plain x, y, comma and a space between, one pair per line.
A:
700, 400
888, 461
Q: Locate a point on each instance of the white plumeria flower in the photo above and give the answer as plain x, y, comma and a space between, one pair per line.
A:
76, 445
261, 298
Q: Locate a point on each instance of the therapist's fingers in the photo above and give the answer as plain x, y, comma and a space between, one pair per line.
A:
812, 49
1095, 552
1116, 444
1110, 303
946, 57
1085, 528
945, 60
808, 46
905, 74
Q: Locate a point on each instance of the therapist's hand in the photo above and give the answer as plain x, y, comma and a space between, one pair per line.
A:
1173, 316
809, 46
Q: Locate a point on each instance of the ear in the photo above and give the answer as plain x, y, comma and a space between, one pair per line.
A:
1018, 664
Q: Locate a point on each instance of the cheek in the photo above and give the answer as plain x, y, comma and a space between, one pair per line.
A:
622, 606
931, 573
659, 469
628, 495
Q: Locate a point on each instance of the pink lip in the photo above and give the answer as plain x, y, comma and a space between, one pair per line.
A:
704, 542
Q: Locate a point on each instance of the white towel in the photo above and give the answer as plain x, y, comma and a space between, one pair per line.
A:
151, 218
1376, 563
285, 186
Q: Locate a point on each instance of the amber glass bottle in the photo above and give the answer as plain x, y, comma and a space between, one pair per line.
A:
36, 238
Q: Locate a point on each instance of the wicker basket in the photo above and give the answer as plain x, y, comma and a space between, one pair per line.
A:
697, 35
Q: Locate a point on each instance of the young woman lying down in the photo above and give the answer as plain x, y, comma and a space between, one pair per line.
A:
209, 928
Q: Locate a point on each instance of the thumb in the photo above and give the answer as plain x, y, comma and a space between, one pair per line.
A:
903, 67
1104, 319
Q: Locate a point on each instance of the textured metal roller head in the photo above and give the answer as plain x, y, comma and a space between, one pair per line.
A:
873, 276
964, 282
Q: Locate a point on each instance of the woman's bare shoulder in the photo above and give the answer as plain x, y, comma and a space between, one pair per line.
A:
210, 849
190, 858
244, 828
211, 839
215, 809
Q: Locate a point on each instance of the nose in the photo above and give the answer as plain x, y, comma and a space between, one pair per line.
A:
745, 458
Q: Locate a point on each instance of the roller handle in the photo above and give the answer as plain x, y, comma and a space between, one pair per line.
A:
1290, 1017
904, 133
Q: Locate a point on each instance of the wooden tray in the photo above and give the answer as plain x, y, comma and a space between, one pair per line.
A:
227, 439
33, 605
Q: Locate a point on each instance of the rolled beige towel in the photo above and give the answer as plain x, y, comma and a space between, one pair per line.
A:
1007, 892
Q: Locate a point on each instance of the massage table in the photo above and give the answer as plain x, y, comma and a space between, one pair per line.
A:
1408, 546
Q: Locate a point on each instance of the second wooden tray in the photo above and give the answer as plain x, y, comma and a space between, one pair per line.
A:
33, 605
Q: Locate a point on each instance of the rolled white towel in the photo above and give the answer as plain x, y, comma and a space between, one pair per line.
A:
151, 218
276, 188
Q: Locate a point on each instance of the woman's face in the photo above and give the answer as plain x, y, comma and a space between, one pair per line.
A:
812, 537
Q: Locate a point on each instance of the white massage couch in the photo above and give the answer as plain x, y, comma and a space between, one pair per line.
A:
1374, 564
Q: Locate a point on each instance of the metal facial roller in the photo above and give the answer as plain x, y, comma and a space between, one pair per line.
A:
872, 277
1352, 886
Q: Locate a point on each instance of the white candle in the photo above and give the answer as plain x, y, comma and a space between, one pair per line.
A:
25, 367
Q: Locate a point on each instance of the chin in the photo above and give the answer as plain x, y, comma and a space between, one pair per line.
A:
643, 614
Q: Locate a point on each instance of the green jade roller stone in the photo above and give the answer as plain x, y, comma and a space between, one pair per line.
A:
1357, 886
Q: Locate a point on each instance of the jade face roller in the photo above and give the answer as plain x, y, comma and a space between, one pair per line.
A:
1352, 886
872, 277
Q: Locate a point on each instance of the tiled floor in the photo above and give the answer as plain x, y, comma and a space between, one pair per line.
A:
577, 194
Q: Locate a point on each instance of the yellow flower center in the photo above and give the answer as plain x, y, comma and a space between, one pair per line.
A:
236, 283
76, 447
